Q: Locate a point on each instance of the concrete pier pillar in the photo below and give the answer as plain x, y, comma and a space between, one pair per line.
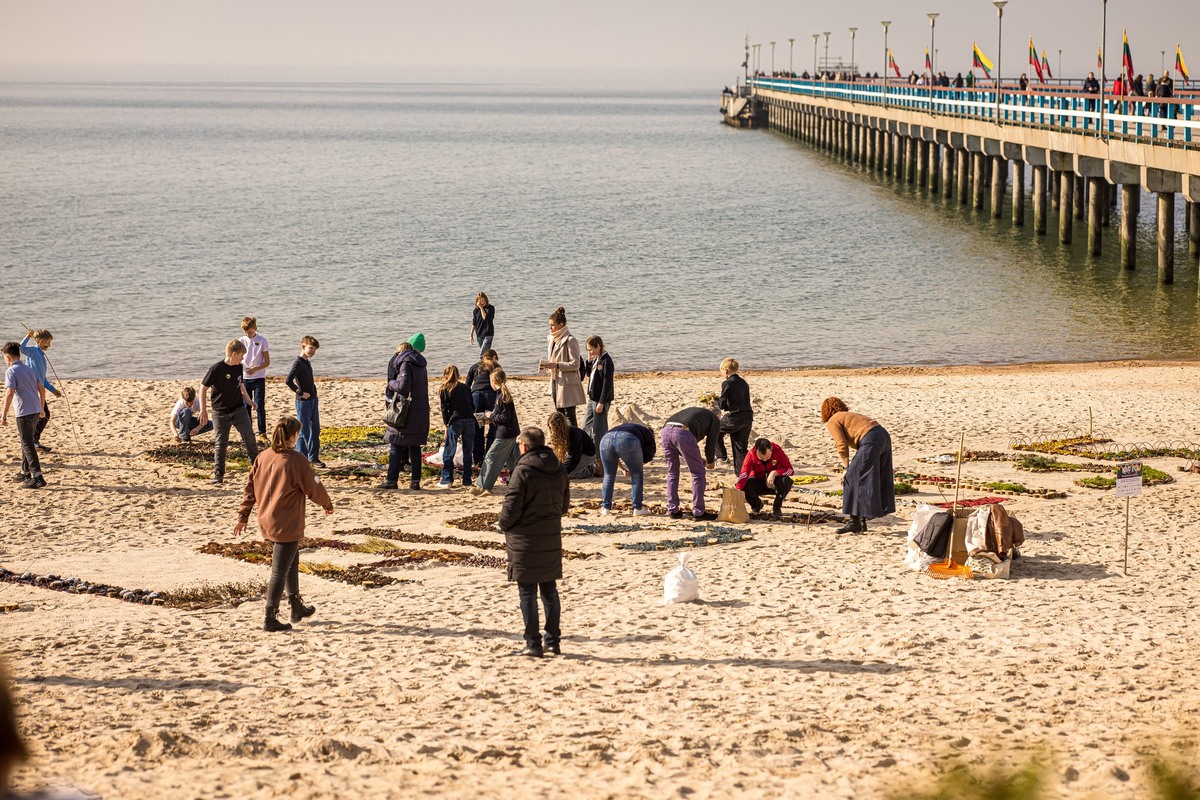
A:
1018, 193
964, 176
897, 155
1080, 196
1066, 214
979, 177
1040, 177
1055, 188
1193, 228
869, 148
948, 160
999, 184
1166, 237
910, 165
1096, 202
1106, 196
935, 165
1131, 203
922, 163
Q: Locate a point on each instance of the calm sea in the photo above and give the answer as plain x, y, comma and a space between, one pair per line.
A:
141, 222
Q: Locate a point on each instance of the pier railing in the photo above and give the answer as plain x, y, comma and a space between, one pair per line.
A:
1172, 122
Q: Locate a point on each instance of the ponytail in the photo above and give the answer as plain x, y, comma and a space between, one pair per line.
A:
285, 429
501, 381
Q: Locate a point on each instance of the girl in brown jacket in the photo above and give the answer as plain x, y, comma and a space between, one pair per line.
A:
280, 480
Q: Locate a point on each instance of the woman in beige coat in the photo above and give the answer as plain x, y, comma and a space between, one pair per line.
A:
563, 362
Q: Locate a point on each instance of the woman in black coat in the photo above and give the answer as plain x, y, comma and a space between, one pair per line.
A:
408, 377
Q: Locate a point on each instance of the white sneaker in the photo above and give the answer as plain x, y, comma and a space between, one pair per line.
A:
444, 486
606, 512
642, 512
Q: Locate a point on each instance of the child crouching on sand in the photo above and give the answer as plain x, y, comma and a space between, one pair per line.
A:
185, 416
280, 480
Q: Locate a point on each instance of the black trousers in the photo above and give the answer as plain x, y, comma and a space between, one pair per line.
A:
529, 611
737, 425
30, 464
758, 486
569, 413
41, 425
285, 570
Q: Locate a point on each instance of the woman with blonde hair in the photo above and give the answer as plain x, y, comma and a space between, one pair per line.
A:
483, 323
563, 362
574, 448
280, 481
483, 400
503, 451
868, 485
459, 419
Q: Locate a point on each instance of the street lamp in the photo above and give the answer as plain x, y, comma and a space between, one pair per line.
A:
816, 36
999, 4
883, 86
791, 52
1060, 63
1103, 62
772, 59
932, 28
853, 36
826, 35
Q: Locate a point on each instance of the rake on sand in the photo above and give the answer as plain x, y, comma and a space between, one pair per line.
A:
949, 569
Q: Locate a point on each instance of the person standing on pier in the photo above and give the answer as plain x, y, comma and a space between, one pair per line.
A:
868, 485
1091, 86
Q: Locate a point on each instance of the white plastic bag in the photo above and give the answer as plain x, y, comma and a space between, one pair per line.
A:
434, 459
681, 585
915, 558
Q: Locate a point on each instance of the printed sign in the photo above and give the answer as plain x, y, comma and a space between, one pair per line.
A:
1129, 479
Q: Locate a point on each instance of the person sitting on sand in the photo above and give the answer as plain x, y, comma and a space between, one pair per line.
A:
868, 485
681, 439
185, 416
630, 444
572, 446
539, 494
766, 470
279, 482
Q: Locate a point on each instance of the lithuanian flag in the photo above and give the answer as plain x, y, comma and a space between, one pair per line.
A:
1126, 57
1046, 65
1180, 65
981, 61
892, 64
928, 63
1035, 63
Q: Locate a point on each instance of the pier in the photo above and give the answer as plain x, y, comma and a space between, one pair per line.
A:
1085, 151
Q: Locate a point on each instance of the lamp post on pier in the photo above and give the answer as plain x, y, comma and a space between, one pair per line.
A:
853, 67
1060, 63
772, 59
999, 4
1103, 63
816, 37
825, 71
883, 86
791, 52
933, 15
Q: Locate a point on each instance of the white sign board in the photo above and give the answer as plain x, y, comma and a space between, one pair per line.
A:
1129, 479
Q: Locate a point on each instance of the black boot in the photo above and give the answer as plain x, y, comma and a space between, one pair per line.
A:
855, 525
272, 623
299, 610
862, 523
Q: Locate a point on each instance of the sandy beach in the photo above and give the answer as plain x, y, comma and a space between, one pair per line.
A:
814, 665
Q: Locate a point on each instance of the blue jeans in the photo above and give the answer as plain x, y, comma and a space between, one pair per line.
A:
257, 389
459, 429
503, 452
529, 612
483, 400
308, 443
596, 423
185, 425
627, 448
485, 344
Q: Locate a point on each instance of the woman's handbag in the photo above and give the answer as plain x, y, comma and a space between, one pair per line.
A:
396, 414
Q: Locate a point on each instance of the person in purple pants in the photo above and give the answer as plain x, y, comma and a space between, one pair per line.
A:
681, 437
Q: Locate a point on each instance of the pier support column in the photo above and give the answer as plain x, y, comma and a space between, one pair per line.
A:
1096, 201
1054, 188
1106, 202
979, 177
964, 176
935, 165
922, 163
999, 185
1131, 203
1039, 199
910, 167
948, 160
1081, 192
1193, 228
1066, 214
896, 156
1166, 237
1018, 193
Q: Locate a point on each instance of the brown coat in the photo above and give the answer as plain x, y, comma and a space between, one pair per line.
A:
1004, 532
847, 430
279, 483
566, 385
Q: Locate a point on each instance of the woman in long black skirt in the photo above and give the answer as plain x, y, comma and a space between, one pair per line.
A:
868, 487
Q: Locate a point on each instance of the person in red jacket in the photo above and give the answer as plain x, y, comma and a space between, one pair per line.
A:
766, 470
279, 482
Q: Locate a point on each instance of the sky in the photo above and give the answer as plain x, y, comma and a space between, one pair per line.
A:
562, 41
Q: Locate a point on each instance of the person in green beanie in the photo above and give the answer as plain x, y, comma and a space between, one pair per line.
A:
407, 376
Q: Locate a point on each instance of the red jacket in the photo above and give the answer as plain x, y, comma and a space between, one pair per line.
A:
755, 467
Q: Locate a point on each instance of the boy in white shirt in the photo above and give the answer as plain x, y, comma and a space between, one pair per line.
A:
185, 416
254, 375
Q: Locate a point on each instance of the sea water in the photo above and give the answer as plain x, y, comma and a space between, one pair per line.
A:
141, 221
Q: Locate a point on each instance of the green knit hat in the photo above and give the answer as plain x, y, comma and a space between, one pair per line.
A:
418, 342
